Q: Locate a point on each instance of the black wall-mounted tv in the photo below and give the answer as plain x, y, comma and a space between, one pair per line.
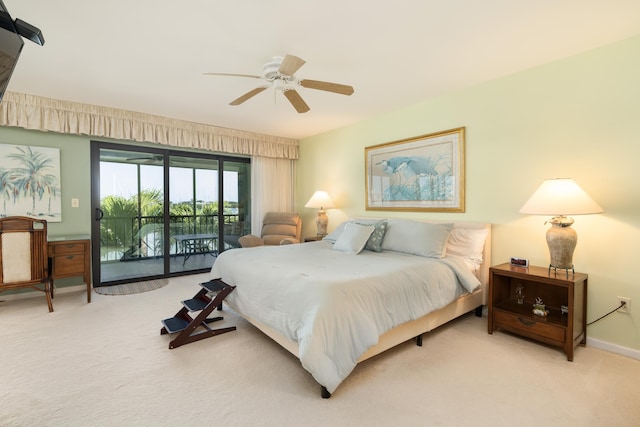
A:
11, 44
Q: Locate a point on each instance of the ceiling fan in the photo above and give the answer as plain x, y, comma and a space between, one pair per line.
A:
279, 74
146, 159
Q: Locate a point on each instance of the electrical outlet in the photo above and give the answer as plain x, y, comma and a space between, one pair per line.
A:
75, 203
626, 308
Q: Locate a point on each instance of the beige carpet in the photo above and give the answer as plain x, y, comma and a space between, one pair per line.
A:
132, 288
106, 364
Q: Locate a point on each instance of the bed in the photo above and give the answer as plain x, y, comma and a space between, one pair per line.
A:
368, 286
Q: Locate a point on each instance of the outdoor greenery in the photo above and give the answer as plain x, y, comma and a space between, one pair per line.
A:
123, 218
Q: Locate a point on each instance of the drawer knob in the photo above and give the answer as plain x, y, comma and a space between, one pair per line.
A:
70, 257
526, 322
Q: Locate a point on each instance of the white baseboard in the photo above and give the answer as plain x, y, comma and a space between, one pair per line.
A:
613, 348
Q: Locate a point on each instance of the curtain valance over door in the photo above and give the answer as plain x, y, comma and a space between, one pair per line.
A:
46, 114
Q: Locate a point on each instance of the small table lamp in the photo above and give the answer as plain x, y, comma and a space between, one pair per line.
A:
321, 199
561, 197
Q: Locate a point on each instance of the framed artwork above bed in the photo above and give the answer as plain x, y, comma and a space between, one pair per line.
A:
424, 173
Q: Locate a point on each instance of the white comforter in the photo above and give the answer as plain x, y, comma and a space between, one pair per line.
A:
335, 305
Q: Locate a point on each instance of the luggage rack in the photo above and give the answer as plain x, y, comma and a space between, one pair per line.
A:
205, 301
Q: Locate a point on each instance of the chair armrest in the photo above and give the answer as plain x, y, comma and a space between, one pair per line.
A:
250, 241
288, 241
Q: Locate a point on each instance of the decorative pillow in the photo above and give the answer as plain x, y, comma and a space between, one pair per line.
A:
467, 243
417, 238
375, 240
353, 238
333, 237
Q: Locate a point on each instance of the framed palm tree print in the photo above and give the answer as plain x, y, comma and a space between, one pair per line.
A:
30, 182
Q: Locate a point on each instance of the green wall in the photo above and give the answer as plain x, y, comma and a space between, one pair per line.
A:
75, 175
578, 117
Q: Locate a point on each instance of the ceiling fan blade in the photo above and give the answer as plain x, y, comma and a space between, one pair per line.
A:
290, 64
296, 100
232, 75
146, 160
248, 95
326, 86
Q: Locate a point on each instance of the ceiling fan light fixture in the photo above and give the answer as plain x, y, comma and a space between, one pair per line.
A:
284, 85
279, 74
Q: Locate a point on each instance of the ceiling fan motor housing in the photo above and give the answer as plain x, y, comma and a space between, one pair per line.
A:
270, 69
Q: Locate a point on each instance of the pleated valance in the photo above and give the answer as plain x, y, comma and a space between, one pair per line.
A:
46, 114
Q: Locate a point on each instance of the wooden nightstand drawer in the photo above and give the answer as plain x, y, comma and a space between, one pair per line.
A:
68, 248
528, 326
68, 265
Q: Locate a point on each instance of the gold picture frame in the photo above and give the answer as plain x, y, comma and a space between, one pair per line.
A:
424, 173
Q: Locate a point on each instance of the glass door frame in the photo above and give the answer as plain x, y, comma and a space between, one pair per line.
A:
96, 147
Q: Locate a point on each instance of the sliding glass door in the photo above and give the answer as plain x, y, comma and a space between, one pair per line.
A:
193, 207
163, 212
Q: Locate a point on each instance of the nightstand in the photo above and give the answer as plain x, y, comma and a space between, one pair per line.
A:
565, 330
70, 256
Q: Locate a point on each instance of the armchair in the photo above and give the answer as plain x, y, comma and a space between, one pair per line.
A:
278, 228
23, 255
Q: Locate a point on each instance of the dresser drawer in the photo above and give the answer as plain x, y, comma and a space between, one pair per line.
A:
67, 248
529, 327
68, 264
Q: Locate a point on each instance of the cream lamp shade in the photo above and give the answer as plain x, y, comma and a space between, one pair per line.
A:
561, 197
321, 200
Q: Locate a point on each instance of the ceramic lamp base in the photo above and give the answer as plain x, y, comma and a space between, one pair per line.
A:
321, 223
562, 240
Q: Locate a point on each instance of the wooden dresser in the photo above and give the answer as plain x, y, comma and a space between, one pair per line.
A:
70, 256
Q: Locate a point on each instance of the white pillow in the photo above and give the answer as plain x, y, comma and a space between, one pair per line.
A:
353, 238
417, 238
467, 243
333, 236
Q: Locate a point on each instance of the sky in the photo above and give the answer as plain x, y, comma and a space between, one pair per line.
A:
121, 179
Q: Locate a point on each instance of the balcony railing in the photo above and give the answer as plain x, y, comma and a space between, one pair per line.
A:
127, 238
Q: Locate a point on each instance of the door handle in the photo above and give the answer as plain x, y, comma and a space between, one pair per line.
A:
99, 214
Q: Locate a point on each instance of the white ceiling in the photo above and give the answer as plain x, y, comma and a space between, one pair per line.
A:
150, 55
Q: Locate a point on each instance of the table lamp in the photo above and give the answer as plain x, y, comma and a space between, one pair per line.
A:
560, 197
321, 199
